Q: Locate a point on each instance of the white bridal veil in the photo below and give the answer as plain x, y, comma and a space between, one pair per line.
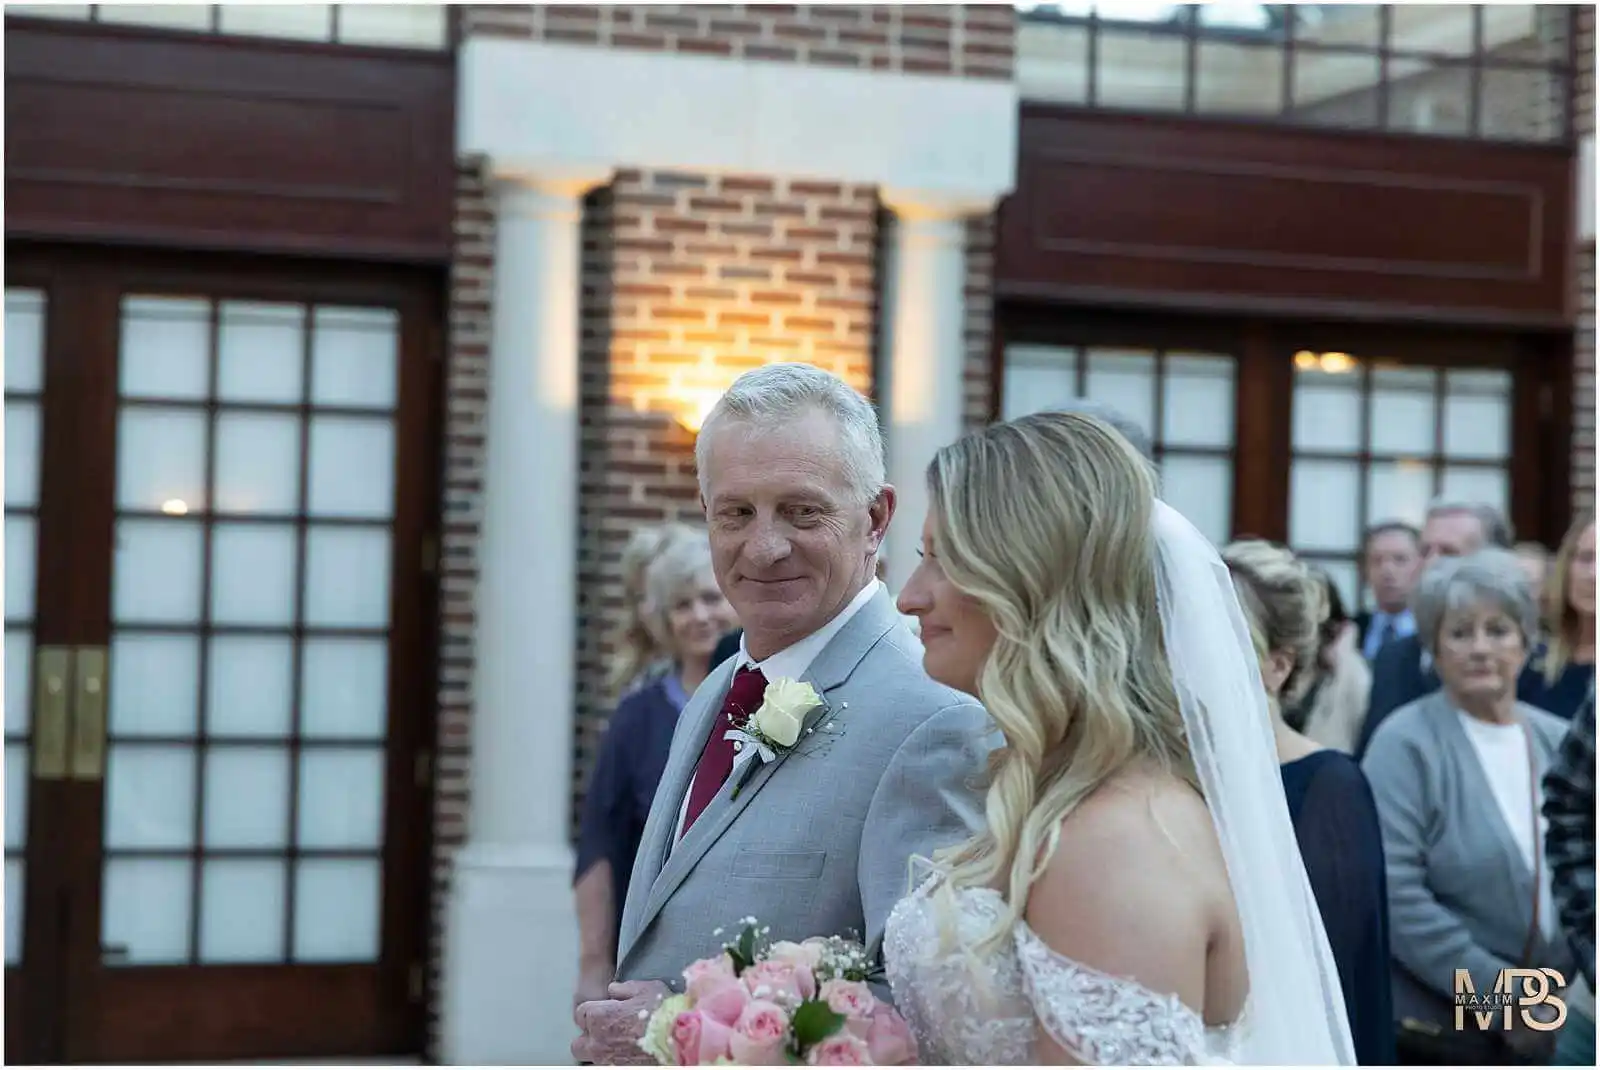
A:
1296, 1011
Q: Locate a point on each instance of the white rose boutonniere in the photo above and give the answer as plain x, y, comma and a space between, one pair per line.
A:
777, 723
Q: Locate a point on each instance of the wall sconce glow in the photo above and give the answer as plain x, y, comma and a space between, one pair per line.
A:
694, 406
1331, 363
175, 507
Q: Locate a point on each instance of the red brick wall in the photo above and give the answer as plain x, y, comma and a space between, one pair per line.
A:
967, 40
1583, 399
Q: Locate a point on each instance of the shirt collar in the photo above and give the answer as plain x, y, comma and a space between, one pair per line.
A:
794, 660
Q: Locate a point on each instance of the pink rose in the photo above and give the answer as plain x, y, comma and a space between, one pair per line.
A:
889, 1039
841, 1049
706, 974
723, 1000
761, 1035
698, 1040
779, 982
804, 956
853, 999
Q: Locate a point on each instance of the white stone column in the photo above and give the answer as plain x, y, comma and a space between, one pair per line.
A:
924, 309
512, 946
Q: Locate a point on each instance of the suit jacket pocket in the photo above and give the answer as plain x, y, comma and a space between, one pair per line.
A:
779, 865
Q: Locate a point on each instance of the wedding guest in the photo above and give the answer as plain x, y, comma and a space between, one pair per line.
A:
1569, 808
1334, 705
1560, 674
1330, 802
1391, 559
1403, 671
684, 606
1535, 560
875, 764
641, 655
1457, 779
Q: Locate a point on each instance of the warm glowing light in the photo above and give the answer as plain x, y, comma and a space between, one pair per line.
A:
1331, 363
694, 406
1305, 360
175, 507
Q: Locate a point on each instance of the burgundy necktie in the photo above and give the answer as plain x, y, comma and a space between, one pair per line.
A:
716, 761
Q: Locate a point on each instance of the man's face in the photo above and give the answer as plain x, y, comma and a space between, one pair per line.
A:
1451, 535
790, 542
1392, 565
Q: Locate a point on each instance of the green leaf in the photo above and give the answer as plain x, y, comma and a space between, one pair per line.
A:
815, 1022
747, 944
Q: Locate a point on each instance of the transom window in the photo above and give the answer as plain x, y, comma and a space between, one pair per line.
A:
424, 26
1493, 71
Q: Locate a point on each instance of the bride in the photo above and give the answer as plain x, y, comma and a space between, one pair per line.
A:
1137, 896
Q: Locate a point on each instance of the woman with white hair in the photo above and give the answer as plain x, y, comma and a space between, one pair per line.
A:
684, 611
1456, 775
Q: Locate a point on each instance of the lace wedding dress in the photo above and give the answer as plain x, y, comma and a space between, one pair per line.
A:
970, 1011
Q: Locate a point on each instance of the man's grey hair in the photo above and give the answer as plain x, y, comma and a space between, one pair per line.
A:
1496, 529
777, 393
1119, 422
1489, 577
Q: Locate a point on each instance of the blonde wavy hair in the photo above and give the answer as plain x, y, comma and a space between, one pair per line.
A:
638, 639
1560, 619
1284, 603
1046, 522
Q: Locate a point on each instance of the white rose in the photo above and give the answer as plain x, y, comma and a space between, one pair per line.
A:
783, 710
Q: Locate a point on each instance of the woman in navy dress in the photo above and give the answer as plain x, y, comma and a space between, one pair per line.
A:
1560, 673
687, 615
1330, 802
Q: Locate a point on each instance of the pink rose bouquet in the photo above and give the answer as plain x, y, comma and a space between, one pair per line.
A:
759, 1004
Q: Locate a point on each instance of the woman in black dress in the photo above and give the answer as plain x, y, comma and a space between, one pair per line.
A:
1330, 802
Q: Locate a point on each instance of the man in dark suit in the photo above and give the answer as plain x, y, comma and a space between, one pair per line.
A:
1402, 672
1391, 560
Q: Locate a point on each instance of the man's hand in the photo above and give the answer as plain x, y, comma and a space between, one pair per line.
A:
612, 1027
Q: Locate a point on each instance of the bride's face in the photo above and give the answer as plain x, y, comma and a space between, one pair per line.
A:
957, 634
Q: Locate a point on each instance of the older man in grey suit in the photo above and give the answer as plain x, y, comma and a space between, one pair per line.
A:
816, 841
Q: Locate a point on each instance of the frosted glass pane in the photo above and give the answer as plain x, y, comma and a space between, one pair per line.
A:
1327, 412
355, 354
1124, 380
344, 688
341, 798
337, 909
19, 678
258, 463
1345, 577
155, 683
161, 459
347, 577
166, 346
149, 796
1399, 492
242, 910
1038, 378
352, 467
249, 686
170, 16
22, 453
247, 797
1402, 410
1197, 402
401, 25
1463, 484
16, 796
1201, 488
1323, 500
260, 350
19, 566
156, 574
144, 910
74, 12
308, 22
1477, 415
252, 573
24, 340
16, 890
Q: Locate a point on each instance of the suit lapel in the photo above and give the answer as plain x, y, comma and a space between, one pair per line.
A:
830, 669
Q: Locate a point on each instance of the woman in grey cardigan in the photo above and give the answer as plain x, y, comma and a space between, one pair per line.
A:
1456, 775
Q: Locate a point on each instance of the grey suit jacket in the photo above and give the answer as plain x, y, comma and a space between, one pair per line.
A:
1460, 895
818, 842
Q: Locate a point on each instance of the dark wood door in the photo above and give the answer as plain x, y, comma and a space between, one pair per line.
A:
1309, 432
227, 858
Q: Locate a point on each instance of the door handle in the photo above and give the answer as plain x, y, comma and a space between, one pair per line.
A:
50, 705
89, 714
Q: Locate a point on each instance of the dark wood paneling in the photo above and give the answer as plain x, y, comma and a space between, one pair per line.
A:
159, 138
1117, 209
